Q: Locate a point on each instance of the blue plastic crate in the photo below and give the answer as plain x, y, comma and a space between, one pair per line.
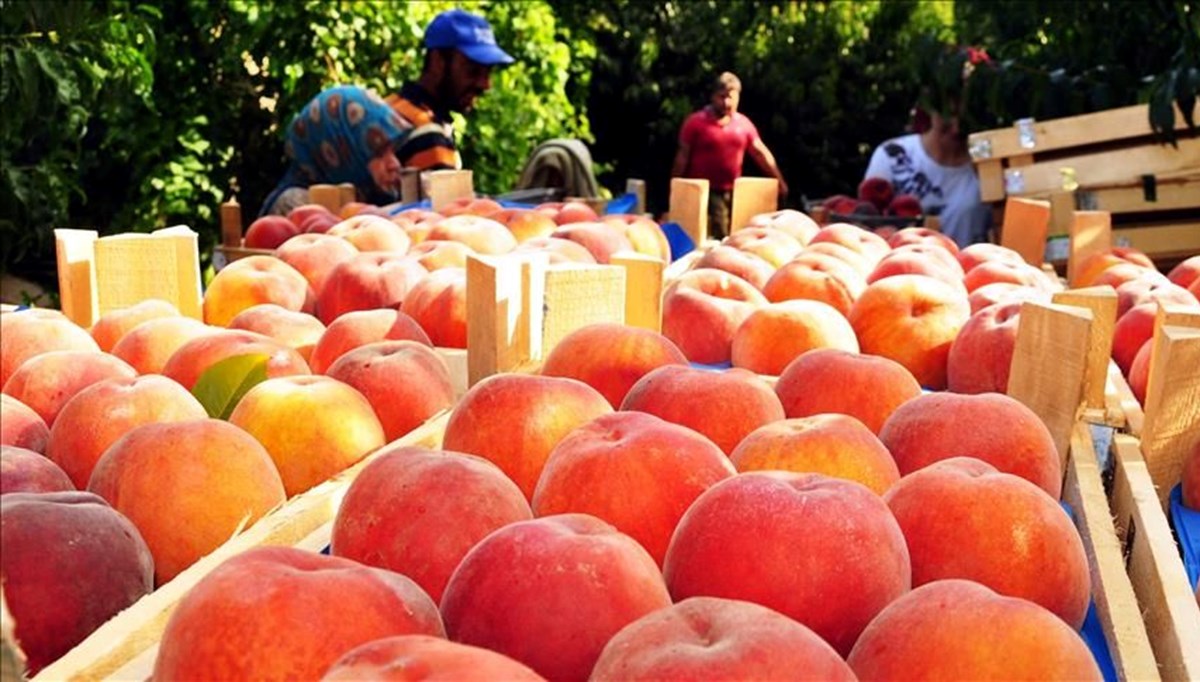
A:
1187, 531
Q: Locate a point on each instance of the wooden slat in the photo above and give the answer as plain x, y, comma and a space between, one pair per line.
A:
75, 251
1090, 231
1167, 600
231, 223
689, 207
991, 180
1026, 224
124, 638
504, 324
1110, 167
164, 264
347, 193
1048, 366
1169, 195
456, 362
1130, 407
1176, 239
410, 185
577, 295
1112, 592
1062, 213
638, 189
1172, 426
446, 186
329, 196
752, 196
643, 289
1102, 302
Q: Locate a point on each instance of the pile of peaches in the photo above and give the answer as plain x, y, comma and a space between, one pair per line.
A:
622, 514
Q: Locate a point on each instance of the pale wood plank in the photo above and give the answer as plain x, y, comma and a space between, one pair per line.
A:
347, 193
504, 312
1102, 302
456, 362
1159, 240
446, 186
643, 289
231, 223
638, 189
1026, 224
164, 264
991, 180
329, 196
75, 252
577, 295
689, 207
1105, 168
1169, 195
1090, 231
1172, 426
1129, 405
752, 196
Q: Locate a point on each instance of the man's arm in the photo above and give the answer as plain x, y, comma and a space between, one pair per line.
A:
681, 160
766, 161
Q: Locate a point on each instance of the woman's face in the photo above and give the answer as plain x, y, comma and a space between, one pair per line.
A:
385, 170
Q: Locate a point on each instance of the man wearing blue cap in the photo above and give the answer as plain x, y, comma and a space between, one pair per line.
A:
460, 52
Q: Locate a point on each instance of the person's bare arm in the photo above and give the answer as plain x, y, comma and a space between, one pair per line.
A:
766, 161
681, 161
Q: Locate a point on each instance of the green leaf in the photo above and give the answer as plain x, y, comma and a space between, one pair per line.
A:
222, 385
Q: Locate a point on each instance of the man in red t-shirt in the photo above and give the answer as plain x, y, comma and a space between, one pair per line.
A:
712, 145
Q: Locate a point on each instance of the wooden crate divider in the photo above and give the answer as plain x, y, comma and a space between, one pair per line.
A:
1102, 302
1090, 232
752, 196
643, 289
1026, 223
689, 208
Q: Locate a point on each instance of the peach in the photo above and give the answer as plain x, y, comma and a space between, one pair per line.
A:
912, 319
777, 333
955, 629
266, 615
483, 235
866, 387
560, 250
407, 658
296, 330
438, 303
663, 468
1133, 329
46, 382
993, 427
725, 406
472, 206
26, 471
847, 255
312, 427
315, 256
823, 551
551, 592
269, 231
405, 382
774, 246
368, 281
817, 277
1095, 264
109, 329
439, 253
102, 413
644, 234
918, 259
1121, 273
1194, 288
516, 420
417, 512
20, 426
610, 358
868, 244
744, 264
703, 309
1139, 371
253, 280
796, 224
600, 239
1147, 290
372, 233
1190, 479
353, 208
27, 333
1003, 292
982, 353
1186, 272
1003, 271
574, 212
70, 562
962, 518
304, 213
194, 357
148, 346
976, 254
835, 445
721, 639
360, 327
923, 235
524, 223
188, 486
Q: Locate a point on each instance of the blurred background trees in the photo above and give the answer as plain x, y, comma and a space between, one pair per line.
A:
122, 115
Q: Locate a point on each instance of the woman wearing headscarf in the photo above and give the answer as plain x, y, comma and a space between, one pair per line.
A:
345, 134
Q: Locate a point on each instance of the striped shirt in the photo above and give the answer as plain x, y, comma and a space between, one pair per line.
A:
429, 144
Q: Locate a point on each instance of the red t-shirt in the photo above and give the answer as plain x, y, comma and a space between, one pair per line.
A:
716, 151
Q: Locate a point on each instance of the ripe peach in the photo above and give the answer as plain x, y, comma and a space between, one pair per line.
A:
1186, 272
866, 387
993, 427
109, 329
777, 333
644, 234
404, 381
1139, 371
439, 253
70, 562
551, 592
1148, 290
265, 615
962, 518
483, 235
1133, 329
315, 256
372, 233
187, 486
360, 327
796, 224
20, 426
1003, 292
574, 212
525, 223
744, 264
953, 629
847, 255
923, 235
102, 413
663, 468
269, 231
148, 346
600, 239
194, 357
876, 190
438, 302
774, 246
302, 214
253, 280
26, 471
982, 353
835, 445
912, 319
472, 206
990, 272
422, 657
368, 281
703, 309
1096, 263
296, 330
560, 250
312, 426
418, 512
1121, 273
47, 381
610, 358
27, 333
868, 244
723, 639
823, 551
817, 277
975, 254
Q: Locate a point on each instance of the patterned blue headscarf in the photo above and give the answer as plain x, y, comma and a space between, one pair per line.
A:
334, 136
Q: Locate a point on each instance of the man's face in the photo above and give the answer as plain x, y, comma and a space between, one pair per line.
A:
726, 101
463, 81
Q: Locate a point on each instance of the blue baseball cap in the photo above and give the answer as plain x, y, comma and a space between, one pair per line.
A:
468, 33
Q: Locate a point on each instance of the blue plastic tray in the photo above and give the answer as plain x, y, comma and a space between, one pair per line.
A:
1187, 531
1092, 631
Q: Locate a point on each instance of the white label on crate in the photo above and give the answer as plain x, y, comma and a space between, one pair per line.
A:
981, 149
1014, 181
1025, 133
1087, 201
